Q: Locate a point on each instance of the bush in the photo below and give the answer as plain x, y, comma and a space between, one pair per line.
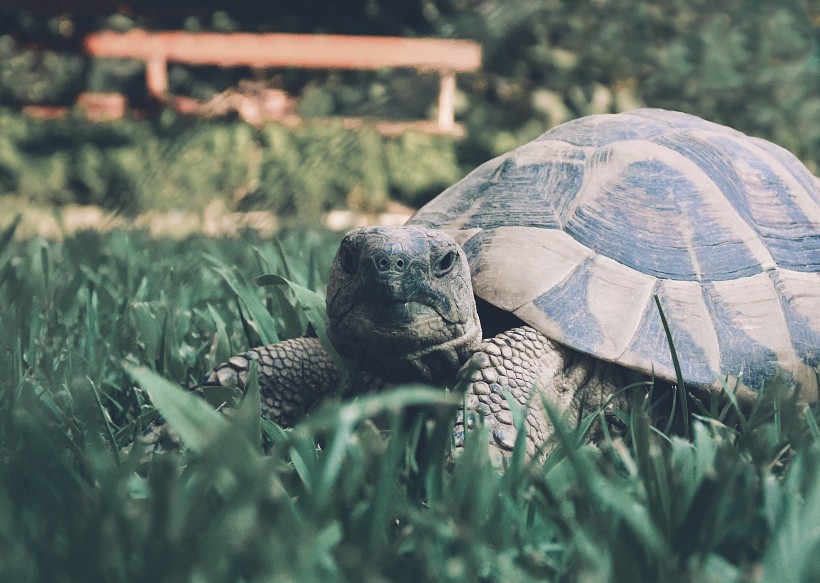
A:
39, 76
135, 165
322, 166
747, 64
420, 165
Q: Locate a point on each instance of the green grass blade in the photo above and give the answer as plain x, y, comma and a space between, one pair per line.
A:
105, 423
293, 323
45, 266
314, 308
608, 500
92, 326
7, 234
283, 259
264, 324
221, 349
191, 417
730, 395
249, 413
678, 373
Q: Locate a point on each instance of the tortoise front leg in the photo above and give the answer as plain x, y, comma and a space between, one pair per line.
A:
293, 375
519, 359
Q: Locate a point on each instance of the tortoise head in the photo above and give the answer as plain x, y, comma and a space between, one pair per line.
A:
401, 303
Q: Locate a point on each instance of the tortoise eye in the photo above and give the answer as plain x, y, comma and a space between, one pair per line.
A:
445, 264
347, 260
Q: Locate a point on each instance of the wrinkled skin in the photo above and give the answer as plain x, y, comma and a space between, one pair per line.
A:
401, 305
401, 308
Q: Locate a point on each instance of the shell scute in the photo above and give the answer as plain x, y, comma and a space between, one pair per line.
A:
576, 231
677, 234
801, 306
532, 189
765, 195
650, 337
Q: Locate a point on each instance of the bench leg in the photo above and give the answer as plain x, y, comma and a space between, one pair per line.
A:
446, 102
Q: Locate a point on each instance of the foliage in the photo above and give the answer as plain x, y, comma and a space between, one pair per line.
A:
96, 323
38, 76
132, 165
752, 65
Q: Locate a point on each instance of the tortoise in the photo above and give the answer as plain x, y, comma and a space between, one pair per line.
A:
541, 267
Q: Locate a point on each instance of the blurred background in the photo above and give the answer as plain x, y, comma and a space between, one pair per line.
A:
83, 131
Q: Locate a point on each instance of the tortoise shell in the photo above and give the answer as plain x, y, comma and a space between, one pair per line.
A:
577, 231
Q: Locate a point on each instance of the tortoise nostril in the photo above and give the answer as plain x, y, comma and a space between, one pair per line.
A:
391, 262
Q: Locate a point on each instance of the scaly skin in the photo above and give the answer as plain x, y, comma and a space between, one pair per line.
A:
400, 303
531, 368
401, 307
293, 374
296, 373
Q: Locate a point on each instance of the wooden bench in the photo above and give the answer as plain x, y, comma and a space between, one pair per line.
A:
444, 56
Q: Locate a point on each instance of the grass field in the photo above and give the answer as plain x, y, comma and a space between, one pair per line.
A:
95, 323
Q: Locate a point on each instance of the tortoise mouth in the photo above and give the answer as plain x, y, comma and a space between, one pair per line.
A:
393, 314
393, 327
398, 313
403, 341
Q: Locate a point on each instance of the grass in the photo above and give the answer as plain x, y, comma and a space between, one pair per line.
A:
361, 490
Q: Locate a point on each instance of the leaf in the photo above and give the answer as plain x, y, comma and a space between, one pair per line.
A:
104, 423
45, 266
314, 308
730, 395
248, 416
277, 243
264, 324
7, 233
326, 417
335, 454
684, 405
221, 345
149, 329
291, 317
191, 417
